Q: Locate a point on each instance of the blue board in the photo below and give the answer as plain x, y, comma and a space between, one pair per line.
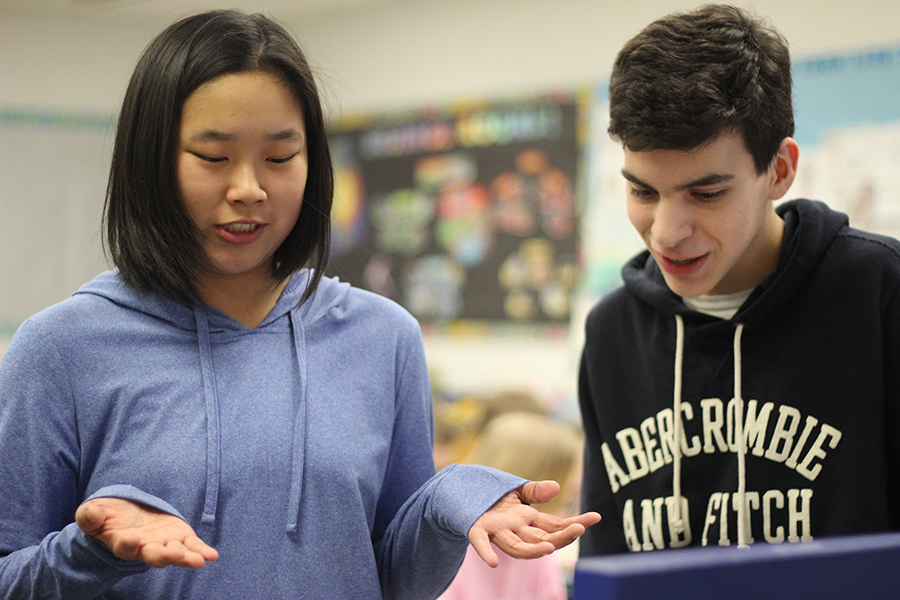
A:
848, 568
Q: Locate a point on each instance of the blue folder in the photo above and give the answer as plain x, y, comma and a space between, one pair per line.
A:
863, 567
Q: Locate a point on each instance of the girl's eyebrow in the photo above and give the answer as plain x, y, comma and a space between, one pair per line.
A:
288, 135
213, 135
711, 179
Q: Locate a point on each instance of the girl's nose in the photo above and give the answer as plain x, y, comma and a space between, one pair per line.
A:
245, 186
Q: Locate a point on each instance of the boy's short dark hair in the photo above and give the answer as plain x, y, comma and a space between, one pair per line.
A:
149, 235
688, 77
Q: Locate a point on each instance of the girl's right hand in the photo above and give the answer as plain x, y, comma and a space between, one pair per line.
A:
135, 531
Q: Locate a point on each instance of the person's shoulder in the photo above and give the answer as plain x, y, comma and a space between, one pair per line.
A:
103, 307
611, 306
863, 251
866, 242
74, 312
341, 301
63, 327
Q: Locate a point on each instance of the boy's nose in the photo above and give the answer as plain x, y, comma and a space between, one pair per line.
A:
672, 223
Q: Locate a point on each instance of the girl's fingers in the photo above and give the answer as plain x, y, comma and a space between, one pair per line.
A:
126, 545
482, 546
195, 544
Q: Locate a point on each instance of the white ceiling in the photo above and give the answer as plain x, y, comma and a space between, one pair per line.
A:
290, 10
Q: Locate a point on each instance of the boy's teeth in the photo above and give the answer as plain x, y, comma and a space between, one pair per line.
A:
241, 227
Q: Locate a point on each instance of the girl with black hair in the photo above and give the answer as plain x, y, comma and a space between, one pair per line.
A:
215, 403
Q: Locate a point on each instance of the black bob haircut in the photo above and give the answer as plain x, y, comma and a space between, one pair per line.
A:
689, 77
150, 237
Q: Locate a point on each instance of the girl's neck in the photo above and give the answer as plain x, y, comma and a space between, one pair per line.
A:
247, 300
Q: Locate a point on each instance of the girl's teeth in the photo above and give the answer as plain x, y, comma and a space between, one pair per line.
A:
240, 227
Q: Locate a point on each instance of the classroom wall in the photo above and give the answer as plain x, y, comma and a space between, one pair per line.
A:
407, 54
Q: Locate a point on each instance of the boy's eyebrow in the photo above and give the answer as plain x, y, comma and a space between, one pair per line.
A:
712, 179
634, 179
213, 135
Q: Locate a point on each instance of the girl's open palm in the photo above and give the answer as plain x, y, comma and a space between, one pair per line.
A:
521, 530
136, 531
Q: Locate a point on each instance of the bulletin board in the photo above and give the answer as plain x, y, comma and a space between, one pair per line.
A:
469, 213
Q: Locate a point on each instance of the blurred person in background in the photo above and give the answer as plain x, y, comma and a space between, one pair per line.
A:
529, 445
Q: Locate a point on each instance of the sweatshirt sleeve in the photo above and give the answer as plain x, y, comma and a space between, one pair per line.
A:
66, 565
427, 540
422, 519
44, 553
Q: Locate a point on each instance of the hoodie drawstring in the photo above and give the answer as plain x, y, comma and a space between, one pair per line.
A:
740, 443
213, 440
678, 521
299, 441
213, 436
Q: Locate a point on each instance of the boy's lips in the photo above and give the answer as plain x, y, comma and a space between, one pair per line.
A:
682, 267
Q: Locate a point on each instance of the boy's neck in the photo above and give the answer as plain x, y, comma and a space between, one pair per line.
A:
767, 251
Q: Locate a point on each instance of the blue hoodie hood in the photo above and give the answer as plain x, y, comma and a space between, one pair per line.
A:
214, 327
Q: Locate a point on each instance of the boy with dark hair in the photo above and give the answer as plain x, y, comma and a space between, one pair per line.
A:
742, 386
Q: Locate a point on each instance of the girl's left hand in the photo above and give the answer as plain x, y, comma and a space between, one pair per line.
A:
523, 531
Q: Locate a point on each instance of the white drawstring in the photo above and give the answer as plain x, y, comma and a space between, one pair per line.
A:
740, 444
678, 521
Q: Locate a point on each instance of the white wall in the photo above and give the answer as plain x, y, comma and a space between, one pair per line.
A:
435, 50
407, 53
427, 52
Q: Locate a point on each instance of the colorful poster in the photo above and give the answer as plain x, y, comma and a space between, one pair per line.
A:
469, 213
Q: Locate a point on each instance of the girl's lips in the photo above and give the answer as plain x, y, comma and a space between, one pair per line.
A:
682, 267
240, 233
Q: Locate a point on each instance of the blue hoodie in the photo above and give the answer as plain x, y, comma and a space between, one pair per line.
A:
300, 450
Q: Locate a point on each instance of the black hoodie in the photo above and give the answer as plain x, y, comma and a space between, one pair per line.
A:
805, 445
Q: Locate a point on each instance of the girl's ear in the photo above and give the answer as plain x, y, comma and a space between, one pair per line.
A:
784, 167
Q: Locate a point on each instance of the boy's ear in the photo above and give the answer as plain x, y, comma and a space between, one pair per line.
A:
784, 167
